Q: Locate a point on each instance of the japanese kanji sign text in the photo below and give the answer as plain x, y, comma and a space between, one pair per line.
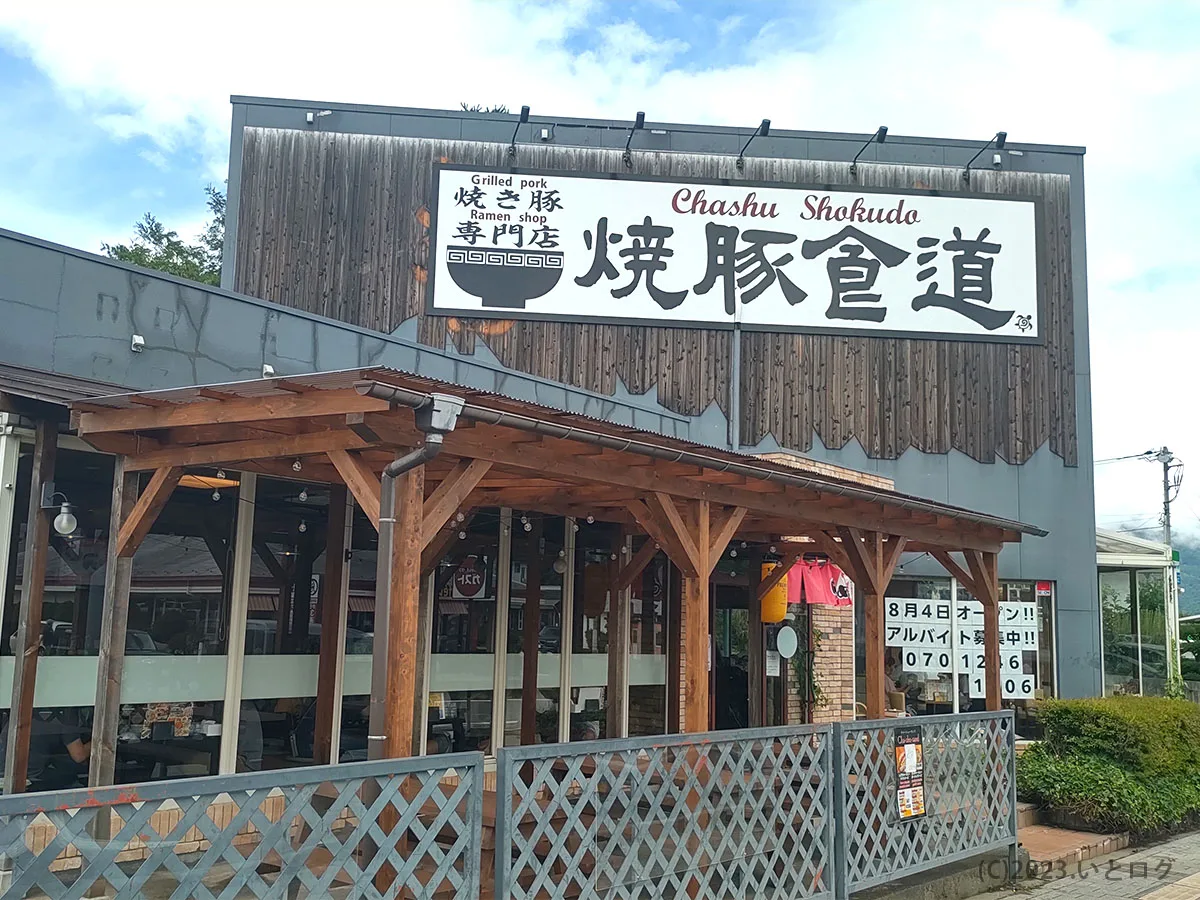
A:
568, 246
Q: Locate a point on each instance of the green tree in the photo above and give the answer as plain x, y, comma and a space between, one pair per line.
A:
1189, 650
155, 247
481, 108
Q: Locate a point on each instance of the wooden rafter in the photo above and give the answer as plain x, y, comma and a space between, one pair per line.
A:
236, 451
636, 565
441, 543
241, 410
723, 533
144, 513
450, 495
689, 541
780, 572
361, 480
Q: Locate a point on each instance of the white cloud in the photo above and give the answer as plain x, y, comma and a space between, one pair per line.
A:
1118, 77
156, 158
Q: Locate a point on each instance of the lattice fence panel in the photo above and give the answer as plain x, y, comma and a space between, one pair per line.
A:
970, 800
734, 814
356, 830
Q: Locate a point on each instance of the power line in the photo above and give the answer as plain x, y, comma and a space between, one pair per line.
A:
1149, 454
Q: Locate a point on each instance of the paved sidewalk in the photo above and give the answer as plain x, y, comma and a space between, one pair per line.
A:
1166, 871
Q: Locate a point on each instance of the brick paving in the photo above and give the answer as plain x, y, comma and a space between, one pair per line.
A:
1166, 871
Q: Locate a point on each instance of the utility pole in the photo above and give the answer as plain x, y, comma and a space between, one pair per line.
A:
1172, 479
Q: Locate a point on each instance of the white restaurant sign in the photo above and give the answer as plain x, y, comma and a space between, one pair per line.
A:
551, 246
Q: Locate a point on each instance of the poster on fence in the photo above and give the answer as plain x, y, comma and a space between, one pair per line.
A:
910, 773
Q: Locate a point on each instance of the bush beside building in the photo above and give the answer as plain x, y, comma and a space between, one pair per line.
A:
1116, 764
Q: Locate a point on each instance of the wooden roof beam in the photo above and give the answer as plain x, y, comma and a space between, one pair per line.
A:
449, 496
146, 510
363, 483
236, 451
243, 409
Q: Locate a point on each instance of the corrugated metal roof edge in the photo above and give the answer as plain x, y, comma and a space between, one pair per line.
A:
484, 366
380, 375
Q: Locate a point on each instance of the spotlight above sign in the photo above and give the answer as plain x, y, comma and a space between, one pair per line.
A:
544, 245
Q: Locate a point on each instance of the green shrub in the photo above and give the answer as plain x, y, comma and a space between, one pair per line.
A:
1151, 735
1123, 763
1105, 793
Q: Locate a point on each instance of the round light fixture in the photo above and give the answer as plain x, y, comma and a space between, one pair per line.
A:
65, 522
297, 466
216, 495
560, 566
303, 498
786, 642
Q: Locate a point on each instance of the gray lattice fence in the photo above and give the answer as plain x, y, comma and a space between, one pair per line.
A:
970, 796
352, 830
732, 814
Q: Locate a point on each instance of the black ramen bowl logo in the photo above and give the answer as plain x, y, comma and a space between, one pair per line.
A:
504, 279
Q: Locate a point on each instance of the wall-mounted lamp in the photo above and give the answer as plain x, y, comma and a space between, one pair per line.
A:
65, 522
763, 130
878, 137
512, 146
998, 140
137, 343
638, 124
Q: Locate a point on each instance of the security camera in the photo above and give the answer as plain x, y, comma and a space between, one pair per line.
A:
997, 161
137, 343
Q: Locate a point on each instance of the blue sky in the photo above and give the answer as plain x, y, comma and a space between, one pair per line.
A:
109, 111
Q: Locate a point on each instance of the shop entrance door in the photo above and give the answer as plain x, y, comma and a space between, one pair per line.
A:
734, 635
731, 658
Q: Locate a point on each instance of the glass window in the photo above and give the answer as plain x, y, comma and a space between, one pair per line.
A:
925, 693
59, 741
648, 649
1122, 672
283, 624
1152, 619
535, 621
596, 546
463, 638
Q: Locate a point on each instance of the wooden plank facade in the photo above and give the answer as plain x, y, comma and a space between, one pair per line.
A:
338, 225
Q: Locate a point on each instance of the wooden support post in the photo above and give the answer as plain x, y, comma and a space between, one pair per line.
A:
696, 626
756, 669
110, 666
529, 635
617, 715
872, 557
984, 568
873, 647
673, 627
29, 619
981, 576
404, 602
332, 639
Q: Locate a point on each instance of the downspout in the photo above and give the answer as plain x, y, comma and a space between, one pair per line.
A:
436, 416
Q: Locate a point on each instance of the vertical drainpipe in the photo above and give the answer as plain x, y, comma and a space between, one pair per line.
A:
435, 419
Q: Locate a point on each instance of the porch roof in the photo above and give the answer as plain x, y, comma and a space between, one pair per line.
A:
346, 426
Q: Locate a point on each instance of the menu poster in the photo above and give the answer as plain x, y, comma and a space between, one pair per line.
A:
910, 773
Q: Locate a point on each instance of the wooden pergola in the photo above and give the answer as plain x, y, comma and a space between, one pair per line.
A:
490, 451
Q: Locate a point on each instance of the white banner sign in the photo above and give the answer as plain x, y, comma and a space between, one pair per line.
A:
550, 246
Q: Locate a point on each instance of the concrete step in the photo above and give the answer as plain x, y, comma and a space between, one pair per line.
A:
1027, 815
1049, 847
